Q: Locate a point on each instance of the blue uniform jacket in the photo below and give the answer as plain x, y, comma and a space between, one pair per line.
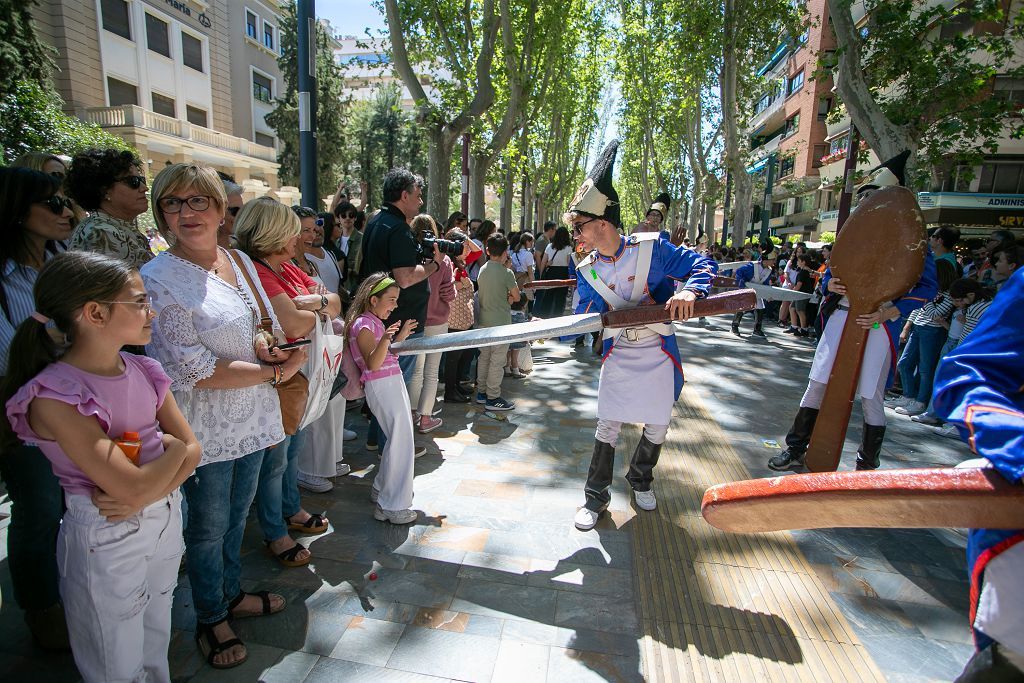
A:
979, 387
745, 274
669, 264
925, 290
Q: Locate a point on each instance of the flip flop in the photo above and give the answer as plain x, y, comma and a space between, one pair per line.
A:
316, 524
264, 597
287, 558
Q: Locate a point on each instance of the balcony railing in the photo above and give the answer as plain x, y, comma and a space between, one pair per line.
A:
770, 108
767, 148
132, 116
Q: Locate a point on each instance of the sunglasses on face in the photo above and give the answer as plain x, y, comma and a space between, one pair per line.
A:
233, 210
133, 181
197, 202
347, 216
577, 228
319, 222
57, 204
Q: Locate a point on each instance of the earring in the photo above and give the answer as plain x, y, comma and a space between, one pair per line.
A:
222, 221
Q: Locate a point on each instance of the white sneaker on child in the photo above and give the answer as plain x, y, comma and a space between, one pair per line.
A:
313, 483
585, 519
645, 500
343, 469
394, 516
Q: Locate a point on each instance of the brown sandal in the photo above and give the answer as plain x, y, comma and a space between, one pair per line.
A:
264, 597
316, 524
287, 558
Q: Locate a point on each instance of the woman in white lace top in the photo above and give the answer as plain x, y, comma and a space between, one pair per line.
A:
206, 336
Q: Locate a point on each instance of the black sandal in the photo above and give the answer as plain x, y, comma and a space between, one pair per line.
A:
204, 632
264, 597
287, 558
316, 524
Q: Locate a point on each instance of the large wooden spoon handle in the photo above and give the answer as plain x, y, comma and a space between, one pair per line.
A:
826, 445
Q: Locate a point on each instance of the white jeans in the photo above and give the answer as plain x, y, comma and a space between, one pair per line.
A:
390, 405
117, 581
324, 445
423, 383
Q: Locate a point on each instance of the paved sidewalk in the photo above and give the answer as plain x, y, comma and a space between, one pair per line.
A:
494, 583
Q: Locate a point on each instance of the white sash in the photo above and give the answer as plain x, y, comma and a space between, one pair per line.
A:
643, 268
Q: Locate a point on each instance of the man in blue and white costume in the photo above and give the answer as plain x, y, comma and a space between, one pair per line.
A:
979, 387
760, 273
641, 376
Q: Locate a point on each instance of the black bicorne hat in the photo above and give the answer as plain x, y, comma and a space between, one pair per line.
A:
891, 172
596, 197
661, 204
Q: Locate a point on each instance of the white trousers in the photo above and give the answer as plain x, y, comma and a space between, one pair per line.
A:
323, 449
390, 405
423, 383
873, 407
608, 432
117, 581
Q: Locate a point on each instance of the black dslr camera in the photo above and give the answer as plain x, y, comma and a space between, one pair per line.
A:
429, 243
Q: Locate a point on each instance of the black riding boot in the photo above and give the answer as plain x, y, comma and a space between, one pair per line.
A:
796, 441
758, 320
599, 478
736, 318
868, 455
641, 467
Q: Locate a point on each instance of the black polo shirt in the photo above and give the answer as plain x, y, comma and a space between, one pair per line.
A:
388, 243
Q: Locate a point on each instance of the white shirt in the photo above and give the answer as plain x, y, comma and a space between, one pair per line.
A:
558, 258
522, 260
200, 319
330, 274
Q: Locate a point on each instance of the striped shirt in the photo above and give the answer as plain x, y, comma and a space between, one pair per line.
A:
940, 307
18, 281
972, 314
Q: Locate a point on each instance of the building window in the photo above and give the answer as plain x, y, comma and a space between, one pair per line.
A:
195, 116
263, 139
251, 24
824, 107
156, 36
786, 166
1009, 89
115, 17
192, 51
792, 125
164, 105
268, 36
819, 152
262, 88
120, 92
794, 83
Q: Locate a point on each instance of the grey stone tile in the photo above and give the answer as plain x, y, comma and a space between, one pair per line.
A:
915, 656
369, 641
293, 666
459, 622
584, 667
434, 652
329, 670
940, 623
505, 600
596, 612
261, 658
582, 578
876, 616
519, 662
495, 567
413, 588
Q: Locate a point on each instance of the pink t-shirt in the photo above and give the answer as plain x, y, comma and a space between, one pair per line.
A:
368, 321
126, 403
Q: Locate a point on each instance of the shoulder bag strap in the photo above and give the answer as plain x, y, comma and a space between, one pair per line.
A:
265, 320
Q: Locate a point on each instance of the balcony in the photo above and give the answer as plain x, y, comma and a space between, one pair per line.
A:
132, 116
767, 148
767, 113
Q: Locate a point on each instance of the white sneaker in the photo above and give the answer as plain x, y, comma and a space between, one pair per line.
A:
947, 430
343, 469
348, 434
896, 402
374, 495
394, 516
645, 500
927, 419
911, 408
314, 484
585, 519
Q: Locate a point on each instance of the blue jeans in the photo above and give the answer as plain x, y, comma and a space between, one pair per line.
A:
219, 495
37, 504
374, 434
277, 496
925, 356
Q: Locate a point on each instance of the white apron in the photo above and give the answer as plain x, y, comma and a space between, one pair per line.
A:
637, 378
874, 371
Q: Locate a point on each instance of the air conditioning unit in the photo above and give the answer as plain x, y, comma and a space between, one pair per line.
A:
790, 206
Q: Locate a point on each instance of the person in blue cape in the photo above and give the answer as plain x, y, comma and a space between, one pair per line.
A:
641, 375
979, 388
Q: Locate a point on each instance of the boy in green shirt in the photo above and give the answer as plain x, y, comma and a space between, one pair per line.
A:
497, 291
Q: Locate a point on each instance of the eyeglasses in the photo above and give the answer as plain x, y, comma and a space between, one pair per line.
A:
199, 202
133, 181
577, 228
58, 204
233, 210
347, 216
146, 305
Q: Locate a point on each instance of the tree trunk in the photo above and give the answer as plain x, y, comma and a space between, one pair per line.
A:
477, 185
439, 172
731, 127
507, 195
885, 137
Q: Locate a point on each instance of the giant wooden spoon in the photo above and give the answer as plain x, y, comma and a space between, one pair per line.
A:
879, 256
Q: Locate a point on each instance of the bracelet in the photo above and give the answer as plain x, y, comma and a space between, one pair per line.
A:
278, 376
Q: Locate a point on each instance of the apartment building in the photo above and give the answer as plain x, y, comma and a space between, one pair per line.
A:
367, 67
180, 80
804, 156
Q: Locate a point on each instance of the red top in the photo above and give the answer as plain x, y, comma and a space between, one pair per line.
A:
291, 281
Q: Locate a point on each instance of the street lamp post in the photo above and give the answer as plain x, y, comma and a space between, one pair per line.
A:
306, 13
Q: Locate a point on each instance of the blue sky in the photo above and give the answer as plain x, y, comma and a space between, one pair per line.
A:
350, 17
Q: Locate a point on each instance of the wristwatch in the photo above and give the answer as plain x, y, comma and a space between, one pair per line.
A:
323, 303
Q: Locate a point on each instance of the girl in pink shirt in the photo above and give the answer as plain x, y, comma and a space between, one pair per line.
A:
120, 540
370, 342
